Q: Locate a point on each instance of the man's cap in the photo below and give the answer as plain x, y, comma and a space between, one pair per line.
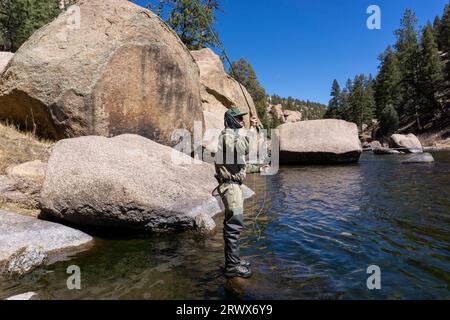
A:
235, 112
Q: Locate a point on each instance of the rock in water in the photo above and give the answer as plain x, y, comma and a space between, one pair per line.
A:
319, 142
21, 235
5, 57
24, 296
23, 261
407, 143
219, 91
127, 181
419, 158
385, 151
121, 70
204, 224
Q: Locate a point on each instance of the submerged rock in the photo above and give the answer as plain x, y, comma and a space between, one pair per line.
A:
407, 143
319, 142
127, 182
121, 70
24, 296
204, 224
23, 261
419, 158
26, 241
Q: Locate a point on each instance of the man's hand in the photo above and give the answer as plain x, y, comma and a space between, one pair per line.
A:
264, 168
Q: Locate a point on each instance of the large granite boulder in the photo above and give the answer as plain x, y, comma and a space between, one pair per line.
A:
5, 57
219, 92
25, 242
407, 143
319, 142
127, 182
119, 70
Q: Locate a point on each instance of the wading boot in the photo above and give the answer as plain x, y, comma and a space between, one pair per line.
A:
245, 263
238, 271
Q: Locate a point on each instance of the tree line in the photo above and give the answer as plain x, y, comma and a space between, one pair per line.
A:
412, 89
310, 110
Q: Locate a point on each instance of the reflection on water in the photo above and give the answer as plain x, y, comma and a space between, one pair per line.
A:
319, 230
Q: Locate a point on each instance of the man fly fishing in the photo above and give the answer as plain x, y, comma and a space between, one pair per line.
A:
231, 170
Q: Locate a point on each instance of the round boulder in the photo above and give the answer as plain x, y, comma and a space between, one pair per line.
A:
103, 68
127, 182
407, 143
23, 261
319, 142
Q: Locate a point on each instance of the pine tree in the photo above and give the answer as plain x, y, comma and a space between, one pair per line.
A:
356, 101
431, 76
444, 31
444, 45
408, 56
190, 19
20, 18
388, 120
387, 87
345, 100
333, 111
369, 105
436, 29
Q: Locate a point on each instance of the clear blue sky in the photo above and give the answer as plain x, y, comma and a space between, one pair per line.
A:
297, 47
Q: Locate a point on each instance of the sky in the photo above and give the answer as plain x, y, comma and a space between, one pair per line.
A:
298, 47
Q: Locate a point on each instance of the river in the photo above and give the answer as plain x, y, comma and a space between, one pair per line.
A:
319, 229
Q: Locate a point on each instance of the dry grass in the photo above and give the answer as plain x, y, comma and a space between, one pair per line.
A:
17, 147
19, 208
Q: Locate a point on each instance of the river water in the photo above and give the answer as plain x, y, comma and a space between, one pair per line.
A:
319, 230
